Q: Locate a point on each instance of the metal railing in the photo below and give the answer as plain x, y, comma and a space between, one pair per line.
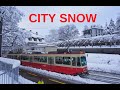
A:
8, 75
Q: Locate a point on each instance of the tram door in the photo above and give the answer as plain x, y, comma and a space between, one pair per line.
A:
51, 63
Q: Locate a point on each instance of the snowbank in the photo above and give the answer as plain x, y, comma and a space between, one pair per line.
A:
14, 62
104, 62
62, 76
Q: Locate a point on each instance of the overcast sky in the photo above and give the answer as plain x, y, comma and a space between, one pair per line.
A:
104, 14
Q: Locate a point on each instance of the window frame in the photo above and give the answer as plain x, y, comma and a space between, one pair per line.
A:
52, 61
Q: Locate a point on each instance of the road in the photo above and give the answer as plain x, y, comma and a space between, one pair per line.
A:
106, 77
37, 77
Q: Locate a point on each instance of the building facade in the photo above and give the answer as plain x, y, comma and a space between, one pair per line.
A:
93, 31
36, 44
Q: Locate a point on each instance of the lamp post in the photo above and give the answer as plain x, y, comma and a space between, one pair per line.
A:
1, 36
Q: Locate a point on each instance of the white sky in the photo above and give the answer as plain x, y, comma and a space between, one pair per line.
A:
104, 14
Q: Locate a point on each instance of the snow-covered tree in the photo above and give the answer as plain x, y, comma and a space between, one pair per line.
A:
68, 32
111, 27
106, 29
118, 24
52, 37
13, 36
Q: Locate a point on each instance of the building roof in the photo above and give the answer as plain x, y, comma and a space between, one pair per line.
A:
34, 35
94, 26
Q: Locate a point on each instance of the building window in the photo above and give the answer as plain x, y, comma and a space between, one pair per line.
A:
35, 39
30, 39
39, 40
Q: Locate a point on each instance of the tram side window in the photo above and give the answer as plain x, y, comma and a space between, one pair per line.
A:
50, 60
40, 58
36, 58
9, 56
24, 57
73, 61
58, 60
43, 59
19, 57
66, 61
14, 57
78, 61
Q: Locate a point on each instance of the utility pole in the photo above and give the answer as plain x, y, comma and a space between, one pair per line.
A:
1, 36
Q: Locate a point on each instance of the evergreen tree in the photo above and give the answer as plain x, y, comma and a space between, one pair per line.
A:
111, 27
106, 29
118, 24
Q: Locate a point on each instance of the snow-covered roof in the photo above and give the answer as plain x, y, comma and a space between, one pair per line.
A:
94, 26
13, 62
34, 34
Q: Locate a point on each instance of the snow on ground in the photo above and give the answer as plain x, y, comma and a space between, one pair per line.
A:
22, 80
14, 62
104, 62
1, 72
61, 76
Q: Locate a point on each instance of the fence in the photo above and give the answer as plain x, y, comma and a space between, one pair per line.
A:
8, 75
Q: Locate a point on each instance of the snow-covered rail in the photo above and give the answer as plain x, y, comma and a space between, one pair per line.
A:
9, 71
104, 77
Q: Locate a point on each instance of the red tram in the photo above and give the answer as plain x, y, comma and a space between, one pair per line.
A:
67, 63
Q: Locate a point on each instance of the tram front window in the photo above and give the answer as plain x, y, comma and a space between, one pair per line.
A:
83, 61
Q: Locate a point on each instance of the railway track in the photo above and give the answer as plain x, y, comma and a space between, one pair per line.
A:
103, 77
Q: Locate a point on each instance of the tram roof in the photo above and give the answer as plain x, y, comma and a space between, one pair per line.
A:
55, 54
